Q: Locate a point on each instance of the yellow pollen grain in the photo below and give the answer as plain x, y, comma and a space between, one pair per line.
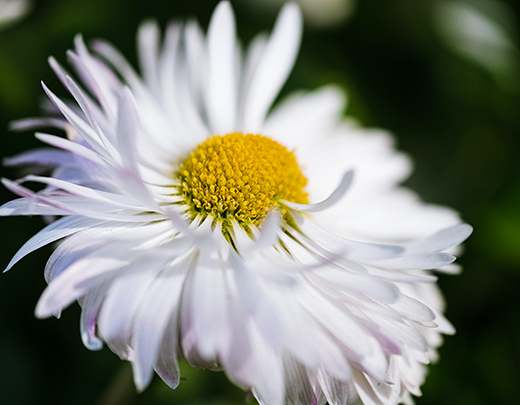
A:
240, 176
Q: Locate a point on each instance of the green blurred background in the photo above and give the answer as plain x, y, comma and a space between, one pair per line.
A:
443, 76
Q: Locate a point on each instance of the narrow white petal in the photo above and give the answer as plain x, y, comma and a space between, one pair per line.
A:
81, 245
44, 156
400, 277
269, 380
74, 283
336, 195
340, 324
24, 206
251, 295
168, 66
209, 307
27, 124
167, 366
94, 120
74, 206
269, 230
336, 391
298, 389
452, 268
376, 289
96, 75
442, 240
221, 91
413, 309
196, 61
101, 196
364, 390
57, 230
89, 314
148, 43
113, 56
58, 70
119, 309
273, 68
252, 58
86, 132
345, 247
159, 305
127, 130
415, 262
73, 147
403, 331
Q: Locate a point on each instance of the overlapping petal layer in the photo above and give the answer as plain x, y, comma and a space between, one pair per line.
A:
329, 301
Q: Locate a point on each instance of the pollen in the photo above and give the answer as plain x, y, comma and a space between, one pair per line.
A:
240, 176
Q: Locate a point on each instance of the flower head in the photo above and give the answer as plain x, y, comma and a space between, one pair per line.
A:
277, 246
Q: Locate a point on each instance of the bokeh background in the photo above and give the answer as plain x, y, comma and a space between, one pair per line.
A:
442, 75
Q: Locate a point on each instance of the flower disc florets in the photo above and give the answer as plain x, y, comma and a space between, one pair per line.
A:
240, 176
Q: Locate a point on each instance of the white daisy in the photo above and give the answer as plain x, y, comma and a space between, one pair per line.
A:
197, 225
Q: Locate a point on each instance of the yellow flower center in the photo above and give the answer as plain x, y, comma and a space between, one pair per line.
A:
240, 176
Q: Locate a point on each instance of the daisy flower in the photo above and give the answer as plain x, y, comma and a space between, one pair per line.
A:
195, 223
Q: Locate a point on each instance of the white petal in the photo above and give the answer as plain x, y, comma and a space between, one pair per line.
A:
101, 196
402, 331
26, 124
345, 247
167, 366
335, 391
81, 245
73, 206
126, 137
251, 61
86, 132
47, 157
111, 54
297, 385
209, 307
269, 229
370, 286
340, 324
365, 391
100, 80
26, 206
336, 195
89, 109
73, 147
74, 283
196, 61
306, 122
122, 302
269, 379
221, 91
157, 308
89, 314
401, 277
273, 68
413, 309
57, 230
415, 262
148, 42
442, 240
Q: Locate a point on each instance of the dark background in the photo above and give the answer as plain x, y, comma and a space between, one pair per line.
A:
456, 120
